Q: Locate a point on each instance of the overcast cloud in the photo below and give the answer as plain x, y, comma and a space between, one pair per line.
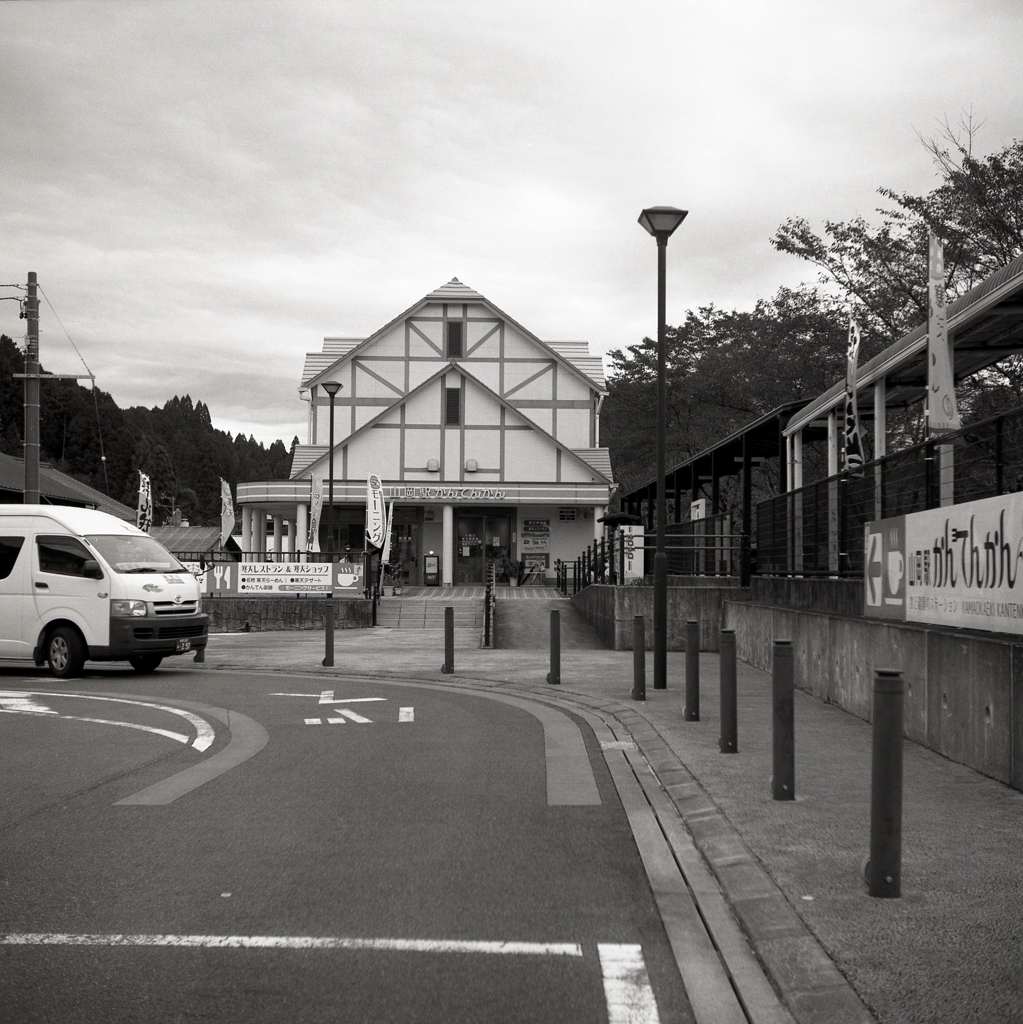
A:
207, 189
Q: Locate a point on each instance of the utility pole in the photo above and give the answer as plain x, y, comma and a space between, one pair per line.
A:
32, 394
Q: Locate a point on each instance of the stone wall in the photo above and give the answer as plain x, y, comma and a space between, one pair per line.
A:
964, 689
230, 614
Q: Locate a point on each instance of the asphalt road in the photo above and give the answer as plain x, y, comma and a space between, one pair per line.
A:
406, 867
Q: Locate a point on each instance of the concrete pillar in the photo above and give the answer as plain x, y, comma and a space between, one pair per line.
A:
447, 547
302, 530
247, 529
832, 443
278, 537
598, 528
260, 514
880, 418
290, 546
797, 460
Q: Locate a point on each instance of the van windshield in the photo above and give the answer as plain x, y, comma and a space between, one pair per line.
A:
127, 554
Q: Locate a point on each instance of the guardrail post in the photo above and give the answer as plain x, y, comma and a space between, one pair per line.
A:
729, 741
884, 868
554, 676
328, 628
449, 641
783, 782
691, 711
638, 658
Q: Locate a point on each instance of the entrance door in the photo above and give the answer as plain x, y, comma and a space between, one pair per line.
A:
480, 539
405, 552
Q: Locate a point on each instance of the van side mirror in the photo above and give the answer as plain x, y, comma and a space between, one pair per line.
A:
91, 570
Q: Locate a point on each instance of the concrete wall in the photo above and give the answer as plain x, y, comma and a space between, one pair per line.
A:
611, 610
229, 614
964, 691
844, 597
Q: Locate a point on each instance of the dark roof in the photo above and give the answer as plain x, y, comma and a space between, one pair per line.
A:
192, 538
56, 488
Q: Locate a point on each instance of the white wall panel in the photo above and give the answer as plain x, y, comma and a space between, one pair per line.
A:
376, 451
529, 457
391, 344
420, 447
480, 408
452, 465
574, 428
424, 407
484, 446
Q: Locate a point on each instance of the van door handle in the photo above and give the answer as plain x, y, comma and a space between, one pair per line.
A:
43, 586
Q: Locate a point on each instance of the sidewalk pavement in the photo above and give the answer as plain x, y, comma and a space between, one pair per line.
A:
949, 951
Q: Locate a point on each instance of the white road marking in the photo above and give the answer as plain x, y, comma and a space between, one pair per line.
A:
406, 714
630, 999
326, 696
298, 942
181, 738
12, 700
353, 715
204, 735
335, 721
314, 721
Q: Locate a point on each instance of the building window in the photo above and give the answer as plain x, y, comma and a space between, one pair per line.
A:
452, 407
455, 339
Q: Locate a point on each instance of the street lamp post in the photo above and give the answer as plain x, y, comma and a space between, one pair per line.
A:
661, 221
332, 387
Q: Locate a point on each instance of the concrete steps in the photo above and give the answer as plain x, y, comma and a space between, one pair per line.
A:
402, 613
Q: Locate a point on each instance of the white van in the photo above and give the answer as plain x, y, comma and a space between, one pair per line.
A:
78, 584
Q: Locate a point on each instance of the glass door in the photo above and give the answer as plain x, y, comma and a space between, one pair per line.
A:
469, 534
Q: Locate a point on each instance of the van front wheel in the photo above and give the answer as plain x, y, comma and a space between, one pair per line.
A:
145, 662
65, 652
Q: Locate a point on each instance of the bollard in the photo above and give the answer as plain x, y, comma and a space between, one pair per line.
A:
638, 658
554, 676
691, 711
729, 741
884, 868
783, 783
328, 632
486, 617
449, 641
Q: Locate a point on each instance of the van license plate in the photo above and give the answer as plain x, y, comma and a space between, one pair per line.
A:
184, 645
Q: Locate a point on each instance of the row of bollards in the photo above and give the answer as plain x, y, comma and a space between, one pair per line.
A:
882, 870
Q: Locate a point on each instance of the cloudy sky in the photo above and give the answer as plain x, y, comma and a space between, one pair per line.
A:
207, 189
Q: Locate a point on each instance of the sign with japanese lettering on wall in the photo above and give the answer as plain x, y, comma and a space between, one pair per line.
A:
959, 565
632, 550
278, 579
535, 537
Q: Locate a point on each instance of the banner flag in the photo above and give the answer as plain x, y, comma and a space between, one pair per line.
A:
227, 519
942, 411
375, 525
144, 511
385, 555
852, 449
315, 509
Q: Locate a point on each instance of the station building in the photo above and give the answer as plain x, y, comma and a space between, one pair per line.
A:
484, 438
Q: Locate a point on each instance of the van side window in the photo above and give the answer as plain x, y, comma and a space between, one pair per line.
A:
63, 555
9, 549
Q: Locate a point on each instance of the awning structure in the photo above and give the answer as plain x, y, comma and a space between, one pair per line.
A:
985, 325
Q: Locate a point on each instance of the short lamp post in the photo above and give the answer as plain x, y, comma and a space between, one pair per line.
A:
332, 387
661, 221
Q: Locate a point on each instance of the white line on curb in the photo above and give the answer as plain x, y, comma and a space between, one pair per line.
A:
630, 999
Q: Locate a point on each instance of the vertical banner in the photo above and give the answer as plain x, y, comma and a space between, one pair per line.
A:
227, 519
144, 510
385, 555
375, 525
315, 510
942, 410
852, 447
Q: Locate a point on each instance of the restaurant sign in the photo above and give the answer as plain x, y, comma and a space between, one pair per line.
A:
446, 493
277, 579
959, 565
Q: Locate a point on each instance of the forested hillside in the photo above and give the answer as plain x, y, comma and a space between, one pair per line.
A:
177, 445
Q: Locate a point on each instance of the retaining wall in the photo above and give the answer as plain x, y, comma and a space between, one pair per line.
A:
230, 614
964, 690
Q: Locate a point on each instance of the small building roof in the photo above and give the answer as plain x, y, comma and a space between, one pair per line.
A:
192, 539
56, 488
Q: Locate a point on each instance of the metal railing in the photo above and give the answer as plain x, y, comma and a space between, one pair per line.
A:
818, 530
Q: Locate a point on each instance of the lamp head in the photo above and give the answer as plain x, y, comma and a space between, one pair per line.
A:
332, 387
661, 221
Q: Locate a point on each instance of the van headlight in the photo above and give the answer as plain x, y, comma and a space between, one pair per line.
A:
126, 608
198, 604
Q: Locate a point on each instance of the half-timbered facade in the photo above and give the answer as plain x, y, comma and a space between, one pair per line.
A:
484, 436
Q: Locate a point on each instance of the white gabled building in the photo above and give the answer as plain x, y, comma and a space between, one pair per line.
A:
485, 438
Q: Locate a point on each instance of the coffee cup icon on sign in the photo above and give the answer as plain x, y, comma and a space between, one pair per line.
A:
896, 570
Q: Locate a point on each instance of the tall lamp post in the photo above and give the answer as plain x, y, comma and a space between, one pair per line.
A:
332, 387
661, 221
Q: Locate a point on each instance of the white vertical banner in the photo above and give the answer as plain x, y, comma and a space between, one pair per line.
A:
315, 509
385, 555
375, 512
852, 442
144, 510
227, 519
942, 410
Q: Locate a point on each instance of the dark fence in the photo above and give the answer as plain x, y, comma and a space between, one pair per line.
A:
702, 547
818, 529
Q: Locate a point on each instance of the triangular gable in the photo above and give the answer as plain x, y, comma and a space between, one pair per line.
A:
448, 294
452, 364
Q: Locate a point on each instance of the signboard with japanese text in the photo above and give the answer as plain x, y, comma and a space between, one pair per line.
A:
281, 579
535, 537
632, 543
954, 566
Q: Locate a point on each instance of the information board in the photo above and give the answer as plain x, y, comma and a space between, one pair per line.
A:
276, 579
